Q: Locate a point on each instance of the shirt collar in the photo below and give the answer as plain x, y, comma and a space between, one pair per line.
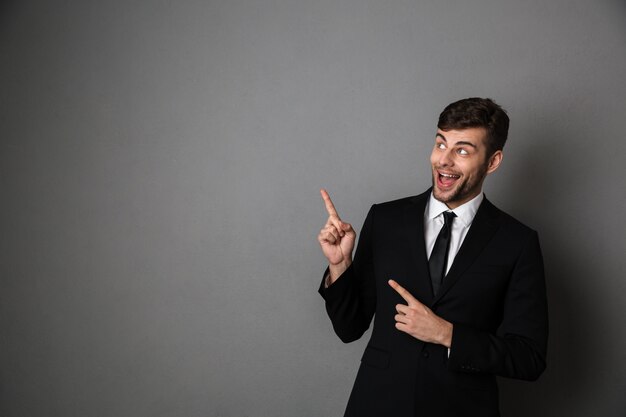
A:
465, 212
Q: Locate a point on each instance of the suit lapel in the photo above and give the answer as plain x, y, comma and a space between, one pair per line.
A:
481, 231
414, 219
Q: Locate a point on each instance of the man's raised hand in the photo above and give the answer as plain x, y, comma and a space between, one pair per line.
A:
336, 240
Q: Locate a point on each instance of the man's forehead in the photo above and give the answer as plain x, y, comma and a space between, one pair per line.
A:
472, 135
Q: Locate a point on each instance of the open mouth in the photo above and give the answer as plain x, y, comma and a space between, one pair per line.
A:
446, 180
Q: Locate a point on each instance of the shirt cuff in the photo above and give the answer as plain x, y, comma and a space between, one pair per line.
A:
327, 280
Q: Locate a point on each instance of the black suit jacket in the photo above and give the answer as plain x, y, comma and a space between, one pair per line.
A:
494, 295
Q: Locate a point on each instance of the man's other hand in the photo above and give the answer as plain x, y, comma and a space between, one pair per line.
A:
419, 321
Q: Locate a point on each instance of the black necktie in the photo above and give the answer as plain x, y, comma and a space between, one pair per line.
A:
439, 255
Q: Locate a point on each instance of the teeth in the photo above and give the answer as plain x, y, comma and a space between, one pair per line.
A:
449, 175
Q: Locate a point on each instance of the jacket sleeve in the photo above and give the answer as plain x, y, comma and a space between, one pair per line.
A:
351, 299
518, 349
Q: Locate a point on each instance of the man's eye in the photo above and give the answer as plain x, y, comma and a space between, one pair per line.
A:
463, 152
441, 146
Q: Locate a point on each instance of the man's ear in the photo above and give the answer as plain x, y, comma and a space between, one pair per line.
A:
494, 161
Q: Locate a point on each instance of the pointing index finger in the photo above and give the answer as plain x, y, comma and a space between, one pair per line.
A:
403, 293
330, 207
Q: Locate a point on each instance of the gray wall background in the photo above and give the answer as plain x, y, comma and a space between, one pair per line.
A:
159, 172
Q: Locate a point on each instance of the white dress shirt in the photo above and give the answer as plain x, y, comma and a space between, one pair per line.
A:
433, 222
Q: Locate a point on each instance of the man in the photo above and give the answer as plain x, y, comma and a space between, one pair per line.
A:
455, 286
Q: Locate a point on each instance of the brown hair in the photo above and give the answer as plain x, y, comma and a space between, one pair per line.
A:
477, 112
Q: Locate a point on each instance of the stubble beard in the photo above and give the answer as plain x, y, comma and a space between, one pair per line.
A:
463, 191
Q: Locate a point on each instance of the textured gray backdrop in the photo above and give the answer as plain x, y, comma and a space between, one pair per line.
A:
160, 163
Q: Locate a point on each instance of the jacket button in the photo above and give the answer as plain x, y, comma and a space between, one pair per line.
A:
425, 354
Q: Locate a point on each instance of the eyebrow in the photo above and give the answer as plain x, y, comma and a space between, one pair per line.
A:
462, 142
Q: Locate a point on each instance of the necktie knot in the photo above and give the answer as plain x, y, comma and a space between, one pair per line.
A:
447, 217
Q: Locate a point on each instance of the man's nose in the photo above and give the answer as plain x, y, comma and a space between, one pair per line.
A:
446, 159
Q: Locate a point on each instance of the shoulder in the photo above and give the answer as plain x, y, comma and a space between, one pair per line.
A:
403, 203
506, 222
398, 211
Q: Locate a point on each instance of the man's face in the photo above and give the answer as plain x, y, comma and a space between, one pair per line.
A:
460, 164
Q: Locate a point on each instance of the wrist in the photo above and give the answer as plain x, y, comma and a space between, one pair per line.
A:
446, 334
335, 271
